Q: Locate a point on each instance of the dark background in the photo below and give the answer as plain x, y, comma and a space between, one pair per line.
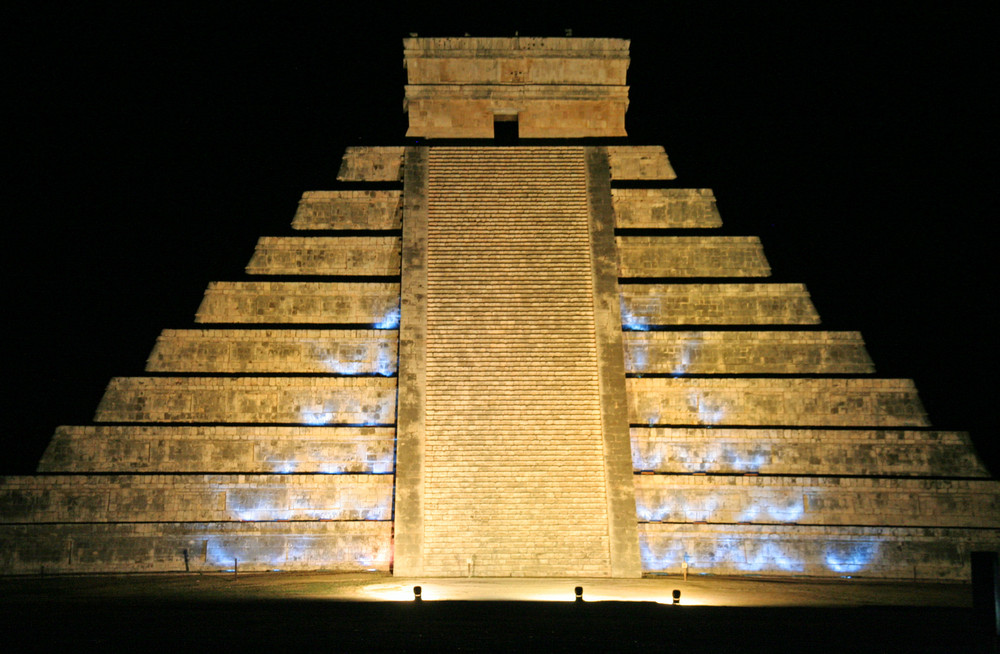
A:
149, 147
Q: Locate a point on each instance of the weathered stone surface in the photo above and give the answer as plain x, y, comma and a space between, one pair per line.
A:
782, 401
244, 449
805, 451
295, 400
301, 302
331, 351
623, 541
317, 255
665, 208
555, 87
881, 552
408, 527
371, 164
691, 256
644, 305
746, 352
817, 500
194, 498
639, 162
161, 547
349, 210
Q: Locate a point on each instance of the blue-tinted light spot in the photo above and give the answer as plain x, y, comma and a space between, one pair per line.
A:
390, 320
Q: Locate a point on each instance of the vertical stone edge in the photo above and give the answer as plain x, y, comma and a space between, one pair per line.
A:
410, 425
622, 525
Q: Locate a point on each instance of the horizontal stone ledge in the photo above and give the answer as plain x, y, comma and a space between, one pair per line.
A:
647, 305
691, 256
890, 452
340, 210
778, 401
301, 302
326, 255
746, 352
336, 351
234, 449
818, 500
301, 400
196, 547
194, 498
912, 553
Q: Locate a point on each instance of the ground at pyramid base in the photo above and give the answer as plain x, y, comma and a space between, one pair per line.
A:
537, 359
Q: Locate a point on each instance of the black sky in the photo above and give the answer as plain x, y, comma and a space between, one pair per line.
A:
151, 146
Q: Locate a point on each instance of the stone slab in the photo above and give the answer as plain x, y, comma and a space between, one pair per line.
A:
890, 452
374, 303
349, 209
775, 402
290, 400
746, 352
330, 351
665, 208
233, 449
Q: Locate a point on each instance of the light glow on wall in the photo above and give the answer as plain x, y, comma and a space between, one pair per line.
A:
631, 322
390, 320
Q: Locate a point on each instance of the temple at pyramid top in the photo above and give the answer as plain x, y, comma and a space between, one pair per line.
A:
551, 87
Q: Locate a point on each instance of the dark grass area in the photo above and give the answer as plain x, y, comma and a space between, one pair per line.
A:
481, 626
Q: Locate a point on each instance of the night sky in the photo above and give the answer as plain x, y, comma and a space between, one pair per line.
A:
151, 147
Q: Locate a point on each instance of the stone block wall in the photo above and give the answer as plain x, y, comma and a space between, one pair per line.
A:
290, 400
665, 208
195, 498
779, 401
639, 162
348, 546
914, 553
645, 305
817, 500
219, 448
371, 164
344, 210
691, 256
301, 302
557, 88
326, 351
317, 255
746, 352
777, 451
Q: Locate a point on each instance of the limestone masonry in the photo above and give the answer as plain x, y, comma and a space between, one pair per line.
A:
507, 360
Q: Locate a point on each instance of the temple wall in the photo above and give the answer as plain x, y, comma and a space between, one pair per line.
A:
160, 547
301, 302
330, 351
805, 451
781, 401
349, 210
298, 400
924, 553
527, 60
716, 304
691, 256
817, 500
317, 255
665, 208
371, 164
243, 449
471, 115
746, 352
194, 498
639, 162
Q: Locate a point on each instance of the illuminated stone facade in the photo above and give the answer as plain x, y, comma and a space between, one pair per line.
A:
496, 362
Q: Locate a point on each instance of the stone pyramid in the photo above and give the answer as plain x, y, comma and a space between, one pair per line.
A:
507, 360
